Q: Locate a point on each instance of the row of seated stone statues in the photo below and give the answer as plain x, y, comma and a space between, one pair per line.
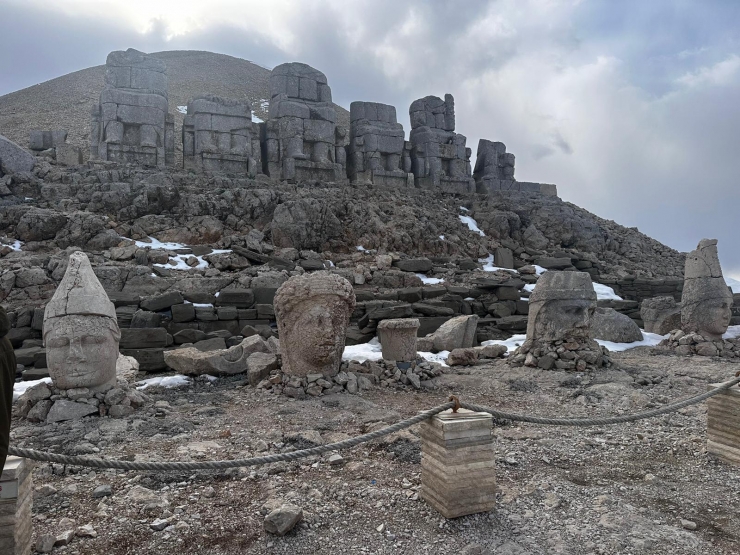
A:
301, 140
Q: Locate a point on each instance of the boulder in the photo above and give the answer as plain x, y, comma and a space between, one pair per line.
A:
280, 521
69, 410
461, 357
14, 158
259, 366
414, 265
456, 333
660, 315
191, 361
609, 325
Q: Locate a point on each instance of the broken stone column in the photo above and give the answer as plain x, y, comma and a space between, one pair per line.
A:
706, 301
439, 157
376, 146
723, 424
131, 123
560, 311
44, 140
660, 315
81, 331
16, 500
398, 338
494, 171
458, 465
312, 312
302, 141
218, 136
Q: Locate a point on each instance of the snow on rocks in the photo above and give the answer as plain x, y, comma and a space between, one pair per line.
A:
472, 225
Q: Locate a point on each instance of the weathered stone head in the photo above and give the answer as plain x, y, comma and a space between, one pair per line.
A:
81, 331
312, 313
561, 306
706, 302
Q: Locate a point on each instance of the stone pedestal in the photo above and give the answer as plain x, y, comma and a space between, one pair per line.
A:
458, 467
16, 497
723, 425
398, 338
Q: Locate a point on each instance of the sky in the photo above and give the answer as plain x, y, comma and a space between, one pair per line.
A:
632, 108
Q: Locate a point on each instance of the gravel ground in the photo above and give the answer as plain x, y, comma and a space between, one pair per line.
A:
647, 487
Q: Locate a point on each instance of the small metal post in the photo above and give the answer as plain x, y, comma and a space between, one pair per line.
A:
458, 467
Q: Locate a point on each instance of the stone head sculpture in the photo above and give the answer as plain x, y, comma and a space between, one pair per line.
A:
561, 306
706, 301
312, 313
81, 331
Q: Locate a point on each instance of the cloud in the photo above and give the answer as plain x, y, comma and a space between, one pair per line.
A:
629, 107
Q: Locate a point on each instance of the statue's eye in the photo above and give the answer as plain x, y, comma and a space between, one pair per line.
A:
58, 342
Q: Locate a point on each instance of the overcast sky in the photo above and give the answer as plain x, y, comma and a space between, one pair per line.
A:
631, 107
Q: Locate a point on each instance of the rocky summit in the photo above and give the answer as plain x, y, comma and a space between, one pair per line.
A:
202, 259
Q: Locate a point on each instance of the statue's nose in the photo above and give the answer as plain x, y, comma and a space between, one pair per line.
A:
76, 351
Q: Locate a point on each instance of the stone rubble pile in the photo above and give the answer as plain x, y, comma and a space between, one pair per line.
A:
564, 354
687, 344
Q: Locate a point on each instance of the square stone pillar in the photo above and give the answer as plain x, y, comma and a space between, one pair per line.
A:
723, 425
16, 498
458, 467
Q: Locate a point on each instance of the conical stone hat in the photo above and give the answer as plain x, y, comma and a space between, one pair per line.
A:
79, 292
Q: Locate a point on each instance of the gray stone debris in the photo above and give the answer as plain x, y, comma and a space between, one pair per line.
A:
218, 136
660, 315
14, 158
609, 325
283, 519
43, 140
378, 153
706, 301
455, 333
439, 157
312, 313
131, 123
302, 140
194, 362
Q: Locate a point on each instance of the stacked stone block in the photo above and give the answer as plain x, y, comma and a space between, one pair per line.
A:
16, 500
131, 123
439, 157
218, 136
302, 140
723, 425
458, 467
378, 153
494, 171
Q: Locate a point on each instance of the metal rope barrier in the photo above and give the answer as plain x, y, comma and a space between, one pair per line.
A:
95, 462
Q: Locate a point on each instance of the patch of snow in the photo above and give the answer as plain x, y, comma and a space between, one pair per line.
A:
524, 299
27, 198
733, 284
168, 382
210, 378
217, 293
429, 281
511, 344
363, 351
182, 109
257, 119
21, 387
361, 248
539, 270
159, 245
732, 332
464, 209
489, 267
331, 264
442, 237
472, 225
648, 340
468, 299
440, 357
202, 305
529, 287
153, 275
15, 245
178, 262
604, 292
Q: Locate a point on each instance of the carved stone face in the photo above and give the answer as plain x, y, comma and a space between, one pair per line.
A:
712, 317
81, 351
319, 334
563, 318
